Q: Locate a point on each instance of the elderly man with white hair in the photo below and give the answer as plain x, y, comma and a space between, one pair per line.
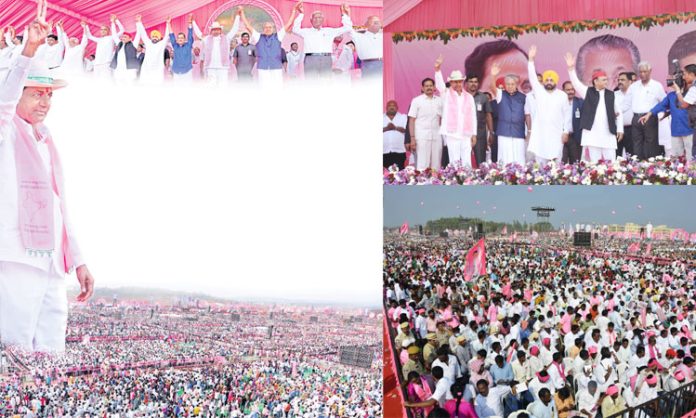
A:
318, 40
368, 44
512, 118
458, 116
642, 96
105, 46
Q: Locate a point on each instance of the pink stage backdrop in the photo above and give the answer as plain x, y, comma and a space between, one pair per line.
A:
413, 61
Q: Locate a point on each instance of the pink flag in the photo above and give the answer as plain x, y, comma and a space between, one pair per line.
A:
475, 261
505, 230
633, 248
648, 249
535, 235
404, 229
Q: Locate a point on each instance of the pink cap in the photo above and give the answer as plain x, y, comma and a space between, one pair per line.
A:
679, 375
593, 349
543, 379
680, 317
534, 350
612, 390
652, 379
546, 340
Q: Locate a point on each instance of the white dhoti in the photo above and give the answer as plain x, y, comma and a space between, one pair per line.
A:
185, 78
428, 154
33, 307
511, 150
102, 70
594, 154
125, 76
459, 150
218, 76
152, 77
272, 79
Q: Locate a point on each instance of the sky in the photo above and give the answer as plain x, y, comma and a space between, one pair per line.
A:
660, 205
208, 190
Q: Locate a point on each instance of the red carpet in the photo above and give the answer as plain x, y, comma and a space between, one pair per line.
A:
393, 397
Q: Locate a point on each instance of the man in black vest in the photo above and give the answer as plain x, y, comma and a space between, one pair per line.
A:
125, 62
601, 119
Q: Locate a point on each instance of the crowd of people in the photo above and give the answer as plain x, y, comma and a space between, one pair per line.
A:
211, 55
460, 121
186, 360
548, 331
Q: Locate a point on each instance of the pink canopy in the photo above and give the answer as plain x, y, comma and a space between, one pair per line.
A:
154, 12
417, 15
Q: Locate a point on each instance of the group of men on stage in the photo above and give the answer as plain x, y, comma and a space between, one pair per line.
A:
214, 56
568, 122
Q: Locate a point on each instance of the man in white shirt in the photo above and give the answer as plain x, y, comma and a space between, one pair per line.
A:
545, 407
216, 61
588, 400
33, 299
643, 95
368, 44
550, 126
105, 46
73, 61
600, 117
393, 131
489, 401
424, 117
318, 40
295, 57
51, 52
449, 364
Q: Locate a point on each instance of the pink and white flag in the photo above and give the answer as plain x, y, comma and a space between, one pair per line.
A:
475, 261
404, 229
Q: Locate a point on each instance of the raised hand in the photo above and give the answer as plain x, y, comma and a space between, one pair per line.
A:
532, 52
299, 7
169, 20
495, 69
239, 11
438, 62
346, 9
112, 17
138, 18
83, 23
570, 60
37, 30
190, 18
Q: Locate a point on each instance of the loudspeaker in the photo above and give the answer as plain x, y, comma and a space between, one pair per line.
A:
420, 229
582, 239
444, 234
479, 228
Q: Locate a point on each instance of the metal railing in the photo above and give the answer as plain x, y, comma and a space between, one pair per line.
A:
672, 404
395, 358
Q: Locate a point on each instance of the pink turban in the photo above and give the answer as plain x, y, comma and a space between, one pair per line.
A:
534, 350
679, 375
546, 340
593, 349
612, 390
543, 379
652, 379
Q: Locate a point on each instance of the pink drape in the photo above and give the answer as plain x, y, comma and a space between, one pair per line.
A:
438, 14
394, 9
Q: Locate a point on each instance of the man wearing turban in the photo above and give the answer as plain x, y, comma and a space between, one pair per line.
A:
550, 127
152, 70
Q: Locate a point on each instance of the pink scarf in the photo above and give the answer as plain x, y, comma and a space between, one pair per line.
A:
452, 117
35, 199
561, 370
420, 393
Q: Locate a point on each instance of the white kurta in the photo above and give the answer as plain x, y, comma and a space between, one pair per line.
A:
73, 61
549, 124
599, 136
152, 70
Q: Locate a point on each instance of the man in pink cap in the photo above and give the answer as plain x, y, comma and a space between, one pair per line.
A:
647, 391
541, 380
600, 116
535, 363
37, 248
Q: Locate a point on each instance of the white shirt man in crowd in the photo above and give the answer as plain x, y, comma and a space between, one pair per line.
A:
424, 117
